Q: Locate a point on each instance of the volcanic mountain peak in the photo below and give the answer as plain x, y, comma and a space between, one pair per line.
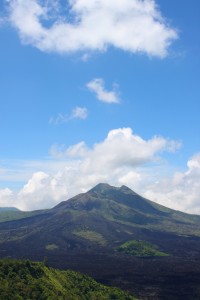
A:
106, 189
101, 193
127, 190
108, 199
103, 189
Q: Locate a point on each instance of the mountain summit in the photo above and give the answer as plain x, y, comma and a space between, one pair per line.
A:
118, 203
108, 233
105, 187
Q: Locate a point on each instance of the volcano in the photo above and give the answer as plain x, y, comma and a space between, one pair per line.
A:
117, 237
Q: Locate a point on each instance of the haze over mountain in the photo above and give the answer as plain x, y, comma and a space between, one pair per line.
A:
116, 236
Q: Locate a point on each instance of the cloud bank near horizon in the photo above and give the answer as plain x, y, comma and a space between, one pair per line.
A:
121, 158
134, 26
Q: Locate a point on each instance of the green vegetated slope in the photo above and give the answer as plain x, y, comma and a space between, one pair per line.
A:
23, 279
127, 207
14, 214
141, 248
91, 236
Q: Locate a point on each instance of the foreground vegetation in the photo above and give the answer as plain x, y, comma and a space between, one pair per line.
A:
140, 248
25, 280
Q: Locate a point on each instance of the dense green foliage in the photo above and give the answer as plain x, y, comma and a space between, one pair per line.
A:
25, 280
140, 248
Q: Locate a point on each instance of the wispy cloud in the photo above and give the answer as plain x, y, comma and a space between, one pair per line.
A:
130, 25
97, 86
3, 19
77, 113
59, 119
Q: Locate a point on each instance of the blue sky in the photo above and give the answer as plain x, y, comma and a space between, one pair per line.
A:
108, 91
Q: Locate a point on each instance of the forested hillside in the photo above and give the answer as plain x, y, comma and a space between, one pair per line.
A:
23, 280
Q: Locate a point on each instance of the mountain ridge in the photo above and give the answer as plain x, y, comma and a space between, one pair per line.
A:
102, 193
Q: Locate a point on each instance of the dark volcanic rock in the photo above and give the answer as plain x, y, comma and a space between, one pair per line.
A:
84, 233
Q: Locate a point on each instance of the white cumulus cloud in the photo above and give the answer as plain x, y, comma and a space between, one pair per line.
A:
74, 25
122, 148
41, 191
6, 197
121, 158
181, 191
97, 86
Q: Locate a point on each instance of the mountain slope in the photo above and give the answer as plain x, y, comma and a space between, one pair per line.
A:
8, 209
31, 280
125, 206
86, 232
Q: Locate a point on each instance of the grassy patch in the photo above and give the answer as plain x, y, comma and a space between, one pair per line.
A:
90, 235
140, 248
51, 247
